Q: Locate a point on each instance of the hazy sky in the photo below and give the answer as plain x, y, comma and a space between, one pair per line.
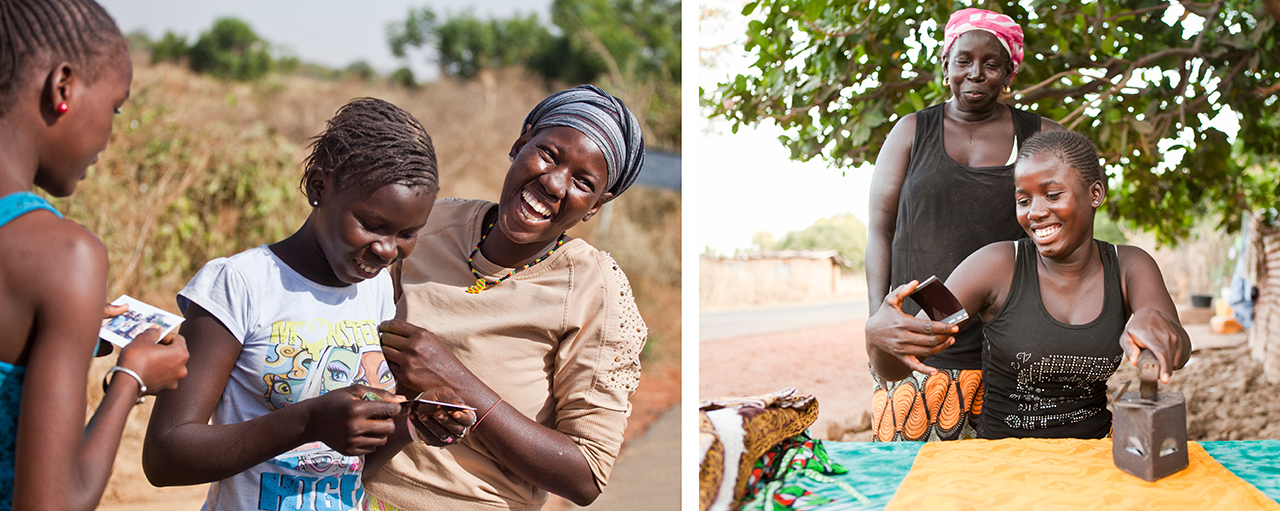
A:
330, 32
749, 182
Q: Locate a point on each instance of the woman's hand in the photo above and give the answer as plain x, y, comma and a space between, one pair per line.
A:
417, 358
1153, 329
438, 425
905, 338
352, 420
160, 364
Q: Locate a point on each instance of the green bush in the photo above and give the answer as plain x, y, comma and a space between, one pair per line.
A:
231, 50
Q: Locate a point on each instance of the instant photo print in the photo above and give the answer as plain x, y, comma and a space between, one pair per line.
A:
122, 329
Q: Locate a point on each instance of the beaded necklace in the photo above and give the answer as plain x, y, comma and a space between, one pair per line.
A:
482, 284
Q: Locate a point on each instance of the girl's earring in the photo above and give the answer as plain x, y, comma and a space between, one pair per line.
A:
63, 107
511, 157
946, 82
315, 203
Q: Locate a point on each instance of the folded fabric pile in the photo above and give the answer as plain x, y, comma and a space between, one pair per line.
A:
734, 433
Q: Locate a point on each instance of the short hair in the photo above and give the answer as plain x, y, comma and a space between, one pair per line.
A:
370, 143
1072, 148
36, 31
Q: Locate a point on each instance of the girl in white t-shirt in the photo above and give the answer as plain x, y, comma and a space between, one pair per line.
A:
284, 340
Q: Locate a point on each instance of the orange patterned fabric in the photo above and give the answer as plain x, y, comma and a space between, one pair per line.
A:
942, 406
1067, 474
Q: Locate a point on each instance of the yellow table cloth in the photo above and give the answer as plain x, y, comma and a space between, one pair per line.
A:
1068, 474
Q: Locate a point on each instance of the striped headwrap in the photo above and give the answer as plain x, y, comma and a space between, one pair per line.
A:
604, 120
1003, 27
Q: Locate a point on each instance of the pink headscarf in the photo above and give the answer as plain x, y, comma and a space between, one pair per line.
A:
1003, 27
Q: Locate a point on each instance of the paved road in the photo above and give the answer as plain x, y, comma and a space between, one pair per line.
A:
741, 323
646, 476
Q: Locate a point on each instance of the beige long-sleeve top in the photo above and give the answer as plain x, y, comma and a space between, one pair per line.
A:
559, 341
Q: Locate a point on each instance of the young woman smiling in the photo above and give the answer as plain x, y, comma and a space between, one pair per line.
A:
1060, 309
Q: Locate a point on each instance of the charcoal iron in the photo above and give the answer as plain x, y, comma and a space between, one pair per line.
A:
1149, 428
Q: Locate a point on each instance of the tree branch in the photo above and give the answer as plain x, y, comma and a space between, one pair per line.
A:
1273, 8
1135, 12
1047, 81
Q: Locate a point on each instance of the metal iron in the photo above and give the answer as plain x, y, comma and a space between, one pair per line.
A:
1149, 428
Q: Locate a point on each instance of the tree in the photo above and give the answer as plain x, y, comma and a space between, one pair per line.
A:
1141, 78
843, 233
171, 47
465, 45
630, 47
231, 50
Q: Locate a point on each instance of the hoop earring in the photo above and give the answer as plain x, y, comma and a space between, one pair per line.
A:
946, 82
63, 107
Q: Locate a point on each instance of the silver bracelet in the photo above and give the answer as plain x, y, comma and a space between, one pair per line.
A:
142, 387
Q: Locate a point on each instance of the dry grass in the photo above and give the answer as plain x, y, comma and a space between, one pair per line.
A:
197, 169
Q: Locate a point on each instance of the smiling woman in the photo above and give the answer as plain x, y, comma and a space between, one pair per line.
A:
537, 330
1060, 309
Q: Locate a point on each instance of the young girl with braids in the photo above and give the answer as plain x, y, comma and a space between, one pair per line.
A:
290, 365
64, 72
1060, 309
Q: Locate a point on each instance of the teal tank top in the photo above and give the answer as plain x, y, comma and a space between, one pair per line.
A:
12, 206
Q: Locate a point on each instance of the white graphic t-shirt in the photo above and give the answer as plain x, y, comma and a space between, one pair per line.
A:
301, 339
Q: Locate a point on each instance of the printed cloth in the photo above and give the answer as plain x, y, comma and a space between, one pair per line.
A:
12, 206
922, 407
603, 119
1050, 474
1003, 27
774, 482
735, 432
301, 340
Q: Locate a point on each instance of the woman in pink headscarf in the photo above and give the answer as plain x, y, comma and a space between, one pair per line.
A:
943, 188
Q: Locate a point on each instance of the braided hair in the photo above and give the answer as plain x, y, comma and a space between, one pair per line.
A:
371, 143
1072, 148
34, 32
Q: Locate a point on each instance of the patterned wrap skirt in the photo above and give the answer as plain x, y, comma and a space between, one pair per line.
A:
922, 407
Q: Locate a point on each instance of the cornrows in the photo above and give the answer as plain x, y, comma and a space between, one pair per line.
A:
34, 32
371, 143
1073, 148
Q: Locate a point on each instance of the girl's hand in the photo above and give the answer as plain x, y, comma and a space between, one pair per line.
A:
417, 358
160, 364
1153, 329
435, 422
349, 422
906, 338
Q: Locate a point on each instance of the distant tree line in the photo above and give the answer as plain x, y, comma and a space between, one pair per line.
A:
632, 47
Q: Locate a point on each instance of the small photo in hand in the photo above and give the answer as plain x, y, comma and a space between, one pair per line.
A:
122, 329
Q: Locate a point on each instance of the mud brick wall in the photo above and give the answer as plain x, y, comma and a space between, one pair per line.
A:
1264, 338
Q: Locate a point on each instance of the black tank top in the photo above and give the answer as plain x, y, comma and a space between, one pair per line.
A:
1045, 378
946, 211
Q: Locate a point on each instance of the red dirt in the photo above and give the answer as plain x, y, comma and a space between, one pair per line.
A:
1227, 396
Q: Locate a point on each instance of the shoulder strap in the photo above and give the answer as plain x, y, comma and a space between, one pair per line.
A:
928, 122
17, 204
1025, 123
